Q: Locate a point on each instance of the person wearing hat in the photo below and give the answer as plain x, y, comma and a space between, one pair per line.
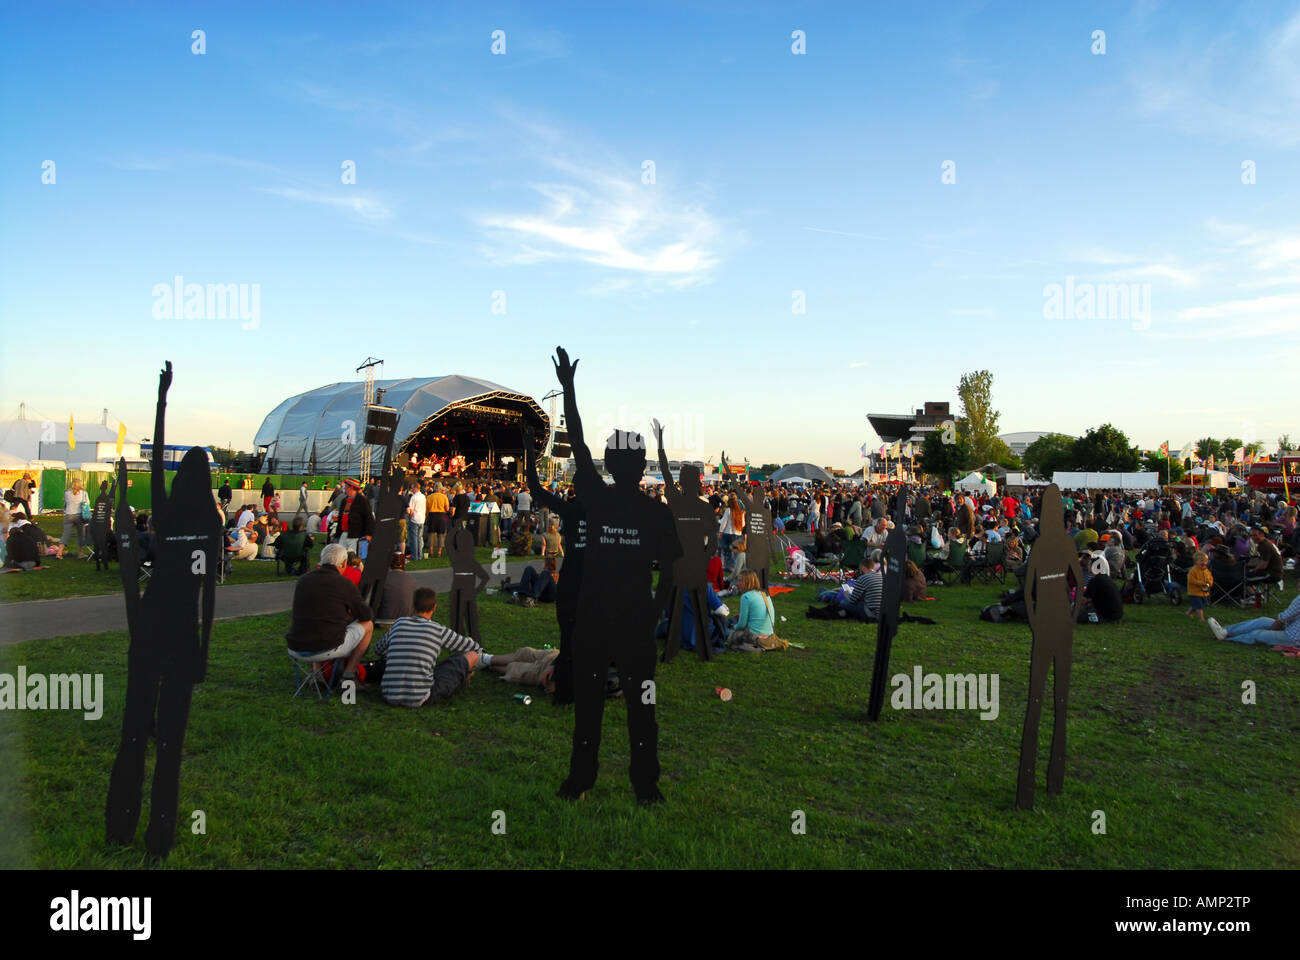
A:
356, 520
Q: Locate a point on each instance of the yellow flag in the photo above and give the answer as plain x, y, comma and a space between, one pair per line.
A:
72, 441
121, 437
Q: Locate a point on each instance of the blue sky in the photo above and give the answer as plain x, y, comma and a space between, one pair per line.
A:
774, 173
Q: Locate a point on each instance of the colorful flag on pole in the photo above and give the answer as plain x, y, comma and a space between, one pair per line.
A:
1164, 450
883, 450
121, 437
1239, 455
72, 440
897, 449
1186, 452
1210, 462
864, 451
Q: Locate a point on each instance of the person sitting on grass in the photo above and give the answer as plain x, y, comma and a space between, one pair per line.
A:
1282, 631
354, 567
398, 599
535, 587
527, 666
242, 542
412, 675
861, 596
22, 550
330, 619
914, 585
1101, 596
756, 627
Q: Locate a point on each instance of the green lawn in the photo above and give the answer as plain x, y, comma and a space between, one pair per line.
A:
1187, 776
71, 577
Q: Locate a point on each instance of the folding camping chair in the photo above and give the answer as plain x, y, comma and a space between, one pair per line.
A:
956, 562
305, 674
1229, 584
990, 565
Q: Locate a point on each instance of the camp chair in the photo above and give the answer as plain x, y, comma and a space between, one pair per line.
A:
291, 550
305, 674
990, 566
854, 551
956, 562
1260, 587
916, 553
1229, 584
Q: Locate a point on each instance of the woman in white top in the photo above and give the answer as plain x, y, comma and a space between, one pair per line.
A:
74, 520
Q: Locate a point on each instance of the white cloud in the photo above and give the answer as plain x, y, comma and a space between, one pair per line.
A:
1228, 90
596, 217
367, 208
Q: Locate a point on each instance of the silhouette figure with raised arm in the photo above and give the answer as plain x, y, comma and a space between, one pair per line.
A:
170, 626
697, 530
1052, 602
887, 618
626, 533
570, 512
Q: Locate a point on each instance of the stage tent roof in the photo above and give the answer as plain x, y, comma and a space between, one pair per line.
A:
312, 425
802, 471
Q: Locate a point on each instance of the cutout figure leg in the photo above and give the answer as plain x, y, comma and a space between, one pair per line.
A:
471, 619
590, 668
1039, 661
675, 606
564, 662
173, 715
635, 669
1061, 696
703, 642
126, 783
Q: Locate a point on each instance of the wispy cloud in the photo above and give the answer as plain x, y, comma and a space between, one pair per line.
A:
590, 214
367, 208
1227, 90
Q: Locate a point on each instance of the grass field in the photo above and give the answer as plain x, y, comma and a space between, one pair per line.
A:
1186, 775
72, 577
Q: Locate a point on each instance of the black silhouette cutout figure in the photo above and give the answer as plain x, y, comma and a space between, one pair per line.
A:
467, 578
887, 625
626, 533
574, 520
388, 511
169, 635
758, 533
697, 531
101, 519
1052, 602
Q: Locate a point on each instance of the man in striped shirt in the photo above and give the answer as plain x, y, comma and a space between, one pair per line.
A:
412, 674
861, 596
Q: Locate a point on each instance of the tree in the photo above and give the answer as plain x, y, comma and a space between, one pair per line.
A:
1284, 444
1049, 453
769, 468
1207, 447
945, 460
1228, 449
1171, 468
1003, 456
1255, 447
1105, 449
979, 421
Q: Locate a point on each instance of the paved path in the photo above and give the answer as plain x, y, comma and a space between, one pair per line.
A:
38, 619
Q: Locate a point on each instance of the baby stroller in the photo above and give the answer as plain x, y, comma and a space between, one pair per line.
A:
1152, 567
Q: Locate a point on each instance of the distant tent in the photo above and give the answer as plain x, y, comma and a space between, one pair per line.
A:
798, 471
976, 482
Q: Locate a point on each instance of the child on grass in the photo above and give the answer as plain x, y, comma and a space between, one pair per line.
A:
1199, 582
